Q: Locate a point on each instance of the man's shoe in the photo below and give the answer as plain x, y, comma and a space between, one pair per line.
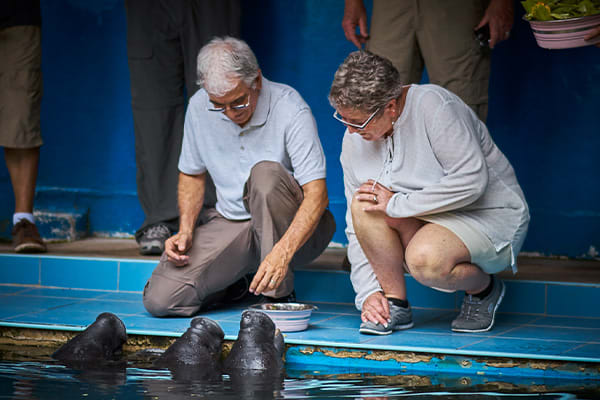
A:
152, 239
401, 318
26, 238
238, 290
290, 298
477, 315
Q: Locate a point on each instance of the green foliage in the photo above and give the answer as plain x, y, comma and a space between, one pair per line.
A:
546, 10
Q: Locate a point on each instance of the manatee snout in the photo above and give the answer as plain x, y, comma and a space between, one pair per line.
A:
101, 341
199, 345
259, 347
257, 320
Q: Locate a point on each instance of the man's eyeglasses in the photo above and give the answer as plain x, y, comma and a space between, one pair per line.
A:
337, 116
233, 106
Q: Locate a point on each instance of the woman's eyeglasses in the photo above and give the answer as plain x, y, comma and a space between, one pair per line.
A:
337, 116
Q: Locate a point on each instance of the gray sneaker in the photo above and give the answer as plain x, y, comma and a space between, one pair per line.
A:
401, 319
477, 315
152, 239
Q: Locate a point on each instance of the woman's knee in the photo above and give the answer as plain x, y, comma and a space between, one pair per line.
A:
425, 263
359, 215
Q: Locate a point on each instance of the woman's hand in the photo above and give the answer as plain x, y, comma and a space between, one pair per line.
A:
378, 195
376, 309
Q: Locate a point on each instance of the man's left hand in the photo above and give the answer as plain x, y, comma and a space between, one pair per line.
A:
378, 196
271, 272
499, 16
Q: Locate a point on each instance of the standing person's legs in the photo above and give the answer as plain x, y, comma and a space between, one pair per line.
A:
453, 57
158, 105
272, 196
163, 40
22, 167
222, 252
20, 134
201, 21
393, 36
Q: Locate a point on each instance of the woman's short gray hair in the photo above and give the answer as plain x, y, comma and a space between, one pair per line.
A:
222, 62
365, 82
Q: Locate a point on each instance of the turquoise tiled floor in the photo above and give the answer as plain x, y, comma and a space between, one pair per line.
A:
537, 320
334, 324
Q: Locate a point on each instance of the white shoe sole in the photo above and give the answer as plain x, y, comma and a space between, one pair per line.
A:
30, 248
370, 331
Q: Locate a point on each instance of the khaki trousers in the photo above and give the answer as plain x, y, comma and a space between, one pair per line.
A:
20, 86
223, 250
437, 34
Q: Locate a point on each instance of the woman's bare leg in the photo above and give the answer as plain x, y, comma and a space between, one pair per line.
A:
436, 257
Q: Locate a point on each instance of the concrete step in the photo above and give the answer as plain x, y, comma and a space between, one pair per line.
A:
61, 225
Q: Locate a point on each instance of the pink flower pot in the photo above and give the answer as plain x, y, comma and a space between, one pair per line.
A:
565, 33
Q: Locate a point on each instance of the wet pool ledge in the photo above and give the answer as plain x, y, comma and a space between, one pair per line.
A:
547, 328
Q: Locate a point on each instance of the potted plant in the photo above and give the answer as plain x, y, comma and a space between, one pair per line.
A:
561, 24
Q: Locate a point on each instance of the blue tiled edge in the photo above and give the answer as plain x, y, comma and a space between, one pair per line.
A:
130, 275
134, 275
27, 272
429, 363
79, 273
581, 301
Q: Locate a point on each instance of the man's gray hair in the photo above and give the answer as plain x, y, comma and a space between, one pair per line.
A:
364, 82
223, 62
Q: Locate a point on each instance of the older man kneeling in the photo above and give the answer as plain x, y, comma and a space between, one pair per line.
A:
258, 141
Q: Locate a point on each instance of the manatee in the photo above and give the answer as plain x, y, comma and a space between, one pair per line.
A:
101, 341
199, 345
259, 347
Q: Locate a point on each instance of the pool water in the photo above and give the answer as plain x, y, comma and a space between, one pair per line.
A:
30, 374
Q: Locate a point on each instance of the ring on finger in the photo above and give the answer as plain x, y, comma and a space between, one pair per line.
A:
374, 198
273, 281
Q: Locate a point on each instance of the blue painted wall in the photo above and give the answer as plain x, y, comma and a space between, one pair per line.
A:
544, 115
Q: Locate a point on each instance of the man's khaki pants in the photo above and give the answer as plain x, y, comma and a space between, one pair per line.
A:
437, 34
223, 250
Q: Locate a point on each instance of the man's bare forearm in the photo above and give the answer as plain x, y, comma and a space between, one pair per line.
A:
190, 195
306, 219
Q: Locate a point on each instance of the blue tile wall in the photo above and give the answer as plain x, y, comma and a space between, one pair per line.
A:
423, 296
516, 291
573, 300
22, 270
80, 273
324, 286
523, 297
133, 275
